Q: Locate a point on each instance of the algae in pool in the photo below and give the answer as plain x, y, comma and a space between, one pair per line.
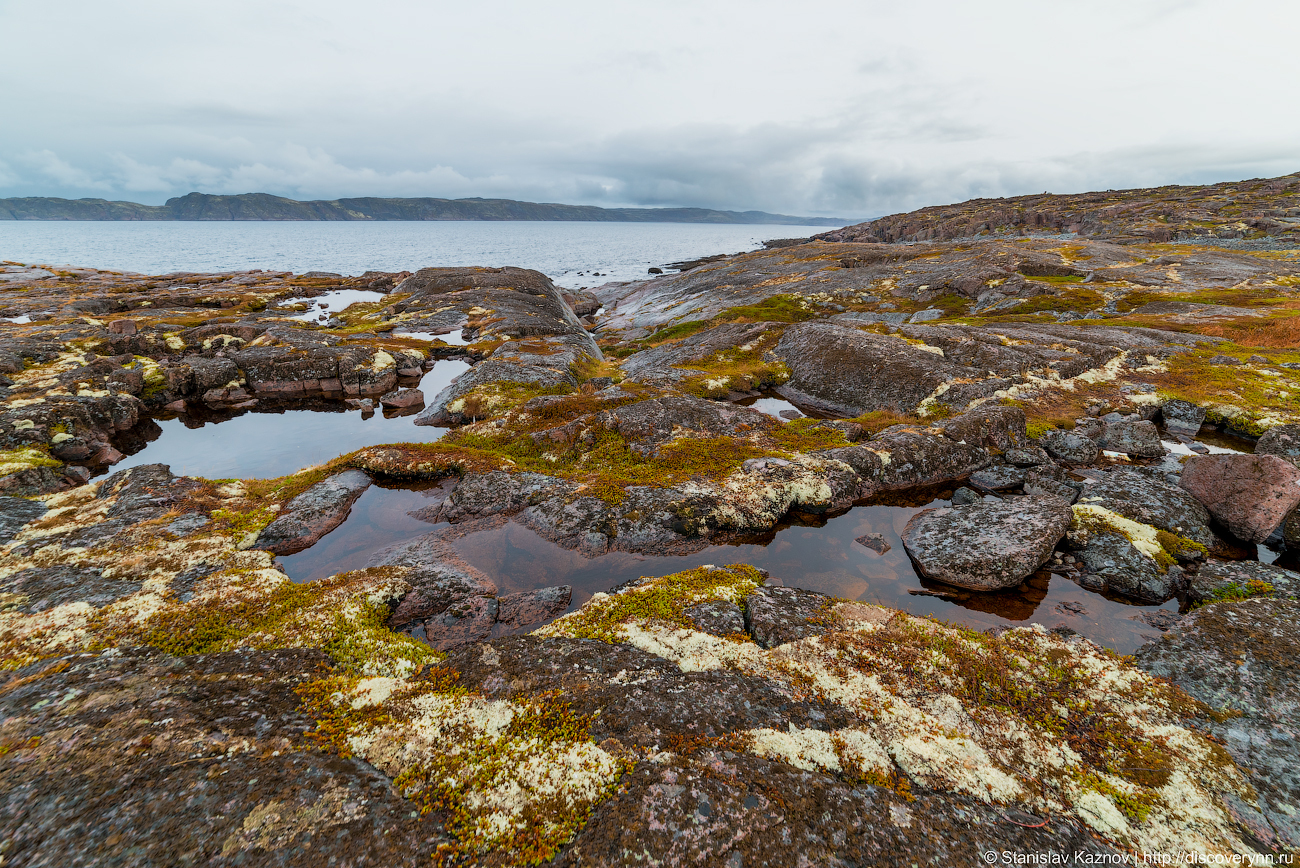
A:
822, 558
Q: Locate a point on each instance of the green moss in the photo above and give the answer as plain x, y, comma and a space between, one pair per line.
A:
662, 601
1180, 547
25, 458
1252, 588
1038, 430
783, 308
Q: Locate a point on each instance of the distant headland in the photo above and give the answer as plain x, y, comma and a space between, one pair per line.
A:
264, 206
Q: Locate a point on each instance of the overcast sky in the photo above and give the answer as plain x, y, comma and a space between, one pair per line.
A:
851, 109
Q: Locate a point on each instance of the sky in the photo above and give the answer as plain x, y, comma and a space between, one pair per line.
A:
850, 109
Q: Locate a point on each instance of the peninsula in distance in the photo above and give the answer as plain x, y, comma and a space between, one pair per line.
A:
264, 206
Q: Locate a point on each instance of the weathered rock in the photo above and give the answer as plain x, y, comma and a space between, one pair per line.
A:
1137, 439
912, 457
1182, 417
1250, 495
718, 618
133, 757
1282, 441
987, 545
462, 623
314, 513
1070, 447
1112, 558
999, 477
1149, 500
775, 616
15, 512
1242, 657
437, 592
670, 363
874, 541
403, 398
992, 426
533, 607
1046, 484
649, 423
1219, 579
1027, 456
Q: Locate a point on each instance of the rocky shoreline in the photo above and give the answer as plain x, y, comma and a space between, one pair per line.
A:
169, 696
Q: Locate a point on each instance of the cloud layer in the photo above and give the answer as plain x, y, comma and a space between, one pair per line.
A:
848, 108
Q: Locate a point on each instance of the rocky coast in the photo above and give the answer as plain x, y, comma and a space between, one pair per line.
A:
1099, 392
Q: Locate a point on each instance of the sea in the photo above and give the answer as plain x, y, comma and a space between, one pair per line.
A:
572, 254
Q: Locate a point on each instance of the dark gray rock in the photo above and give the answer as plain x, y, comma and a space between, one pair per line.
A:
1244, 657
478, 495
649, 423
1150, 500
1216, 578
1047, 485
876, 541
41, 588
314, 513
917, 458
670, 363
1027, 456
526, 608
718, 617
1282, 441
464, 622
991, 426
1070, 447
999, 477
775, 616
15, 513
987, 545
1140, 439
1112, 558
963, 496
1182, 417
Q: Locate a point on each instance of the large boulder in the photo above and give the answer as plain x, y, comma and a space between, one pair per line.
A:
1070, 447
1250, 495
987, 545
1243, 658
1152, 501
314, 513
848, 372
1182, 417
1139, 439
649, 423
993, 426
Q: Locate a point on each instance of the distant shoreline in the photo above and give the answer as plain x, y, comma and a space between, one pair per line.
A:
265, 207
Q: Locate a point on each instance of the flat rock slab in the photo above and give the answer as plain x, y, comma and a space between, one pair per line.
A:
1141, 497
1139, 439
314, 513
775, 616
533, 607
987, 545
15, 512
1250, 495
997, 478
1245, 578
400, 399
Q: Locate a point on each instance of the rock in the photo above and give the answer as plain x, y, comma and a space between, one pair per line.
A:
462, 623
1045, 484
439, 590
999, 477
1070, 447
1027, 456
775, 616
963, 496
1152, 501
1217, 579
650, 423
123, 326
1126, 571
1161, 619
1250, 495
1224, 360
910, 457
1182, 417
987, 545
1139, 439
1291, 530
403, 398
1282, 441
17, 512
718, 618
533, 607
875, 541
992, 426
314, 513
1244, 658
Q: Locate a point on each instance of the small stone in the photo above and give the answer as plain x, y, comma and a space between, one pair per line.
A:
874, 541
400, 399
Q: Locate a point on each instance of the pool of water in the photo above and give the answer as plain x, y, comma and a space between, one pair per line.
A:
322, 306
822, 558
253, 444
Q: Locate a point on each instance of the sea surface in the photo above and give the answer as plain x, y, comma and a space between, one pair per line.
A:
573, 254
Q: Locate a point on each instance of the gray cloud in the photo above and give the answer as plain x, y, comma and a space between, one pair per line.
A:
850, 108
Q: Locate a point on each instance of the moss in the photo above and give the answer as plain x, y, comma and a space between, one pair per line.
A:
1038, 430
1252, 588
662, 601
738, 369
878, 420
25, 458
1180, 547
785, 308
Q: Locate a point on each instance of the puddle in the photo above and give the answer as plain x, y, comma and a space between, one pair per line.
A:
20, 320
772, 404
1215, 441
251, 444
452, 338
824, 559
322, 306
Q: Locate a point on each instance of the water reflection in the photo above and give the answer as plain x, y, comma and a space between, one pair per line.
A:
822, 558
261, 444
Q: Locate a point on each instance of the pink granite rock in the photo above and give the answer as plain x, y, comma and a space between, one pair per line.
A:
1250, 495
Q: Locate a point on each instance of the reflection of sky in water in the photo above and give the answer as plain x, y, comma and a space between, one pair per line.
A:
452, 338
824, 559
261, 445
329, 303
771, 406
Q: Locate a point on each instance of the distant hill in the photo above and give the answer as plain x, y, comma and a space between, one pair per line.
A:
264, 206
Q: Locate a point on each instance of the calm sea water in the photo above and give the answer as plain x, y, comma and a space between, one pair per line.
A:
570, 253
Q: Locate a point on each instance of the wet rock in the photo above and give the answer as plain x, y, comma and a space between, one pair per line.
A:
135, 757
963, 496
1217, 579
1161, 619
999, 477
1244, 657
1150, 500
726, 809
15, 512
775, 616
992, 426
874, 541
1282, 441
848, 372
437, 590
1250, 495
988, 545
314, 513
462, 623
1182, 417
479, 495
1291, 530
533, 607
1140, 439
403, 398
1070, 447
718, 617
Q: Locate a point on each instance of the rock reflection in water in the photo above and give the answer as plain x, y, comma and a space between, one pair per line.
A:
219, 445
825, 559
